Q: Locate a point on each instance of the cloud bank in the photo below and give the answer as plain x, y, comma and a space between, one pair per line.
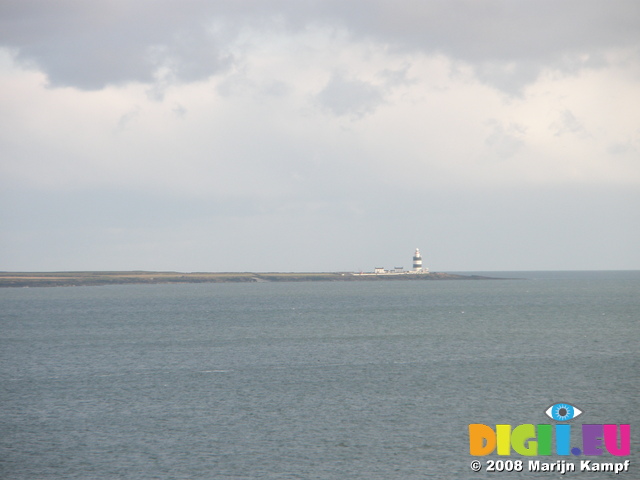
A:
319, 135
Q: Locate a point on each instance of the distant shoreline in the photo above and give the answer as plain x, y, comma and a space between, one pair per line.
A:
77, 279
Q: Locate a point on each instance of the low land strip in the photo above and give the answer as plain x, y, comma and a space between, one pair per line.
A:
69, 279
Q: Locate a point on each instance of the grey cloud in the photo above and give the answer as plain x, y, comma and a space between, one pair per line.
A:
276, 89
508, 43
505, 141
93, 44
126, 119
569, 124
510, 77
499, 30
620, 148
350, 97
180, 111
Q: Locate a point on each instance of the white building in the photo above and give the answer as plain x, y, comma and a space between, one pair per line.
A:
417, 261
417, 268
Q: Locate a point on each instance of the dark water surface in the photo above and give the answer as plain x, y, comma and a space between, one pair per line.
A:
355, 380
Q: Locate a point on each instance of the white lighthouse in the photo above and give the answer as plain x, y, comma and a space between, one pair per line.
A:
417, 261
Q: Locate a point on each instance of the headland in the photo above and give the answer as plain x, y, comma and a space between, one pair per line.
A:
70, 279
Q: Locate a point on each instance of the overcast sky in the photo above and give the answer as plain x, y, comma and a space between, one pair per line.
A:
302, 135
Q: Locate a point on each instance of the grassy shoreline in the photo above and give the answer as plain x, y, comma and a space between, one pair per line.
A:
71, 279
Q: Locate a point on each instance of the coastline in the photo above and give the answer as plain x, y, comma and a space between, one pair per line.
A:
99, 278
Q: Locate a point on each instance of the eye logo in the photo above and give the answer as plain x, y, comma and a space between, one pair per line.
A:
562, 412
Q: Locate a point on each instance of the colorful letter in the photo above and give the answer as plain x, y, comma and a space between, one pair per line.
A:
592, 439
563, 439
611, 439
544, 439
482, 439
503, 434
522, 435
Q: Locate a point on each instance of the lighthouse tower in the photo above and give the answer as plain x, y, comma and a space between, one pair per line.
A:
417, 261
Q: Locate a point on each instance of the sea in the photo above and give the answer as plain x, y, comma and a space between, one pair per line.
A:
313, 380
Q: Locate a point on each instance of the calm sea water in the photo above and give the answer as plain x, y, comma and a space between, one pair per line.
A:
307, 380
